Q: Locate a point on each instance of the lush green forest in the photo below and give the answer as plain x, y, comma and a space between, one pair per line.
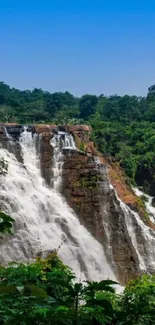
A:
123, 126
46, 292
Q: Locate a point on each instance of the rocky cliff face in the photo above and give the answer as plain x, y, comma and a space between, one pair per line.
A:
87, 186
87, 190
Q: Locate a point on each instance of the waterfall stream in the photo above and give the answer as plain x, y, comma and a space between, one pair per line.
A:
59, 142
43, 220
142, 238
150, 209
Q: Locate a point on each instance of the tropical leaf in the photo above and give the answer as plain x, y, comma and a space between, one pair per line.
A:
7, 290
32, 290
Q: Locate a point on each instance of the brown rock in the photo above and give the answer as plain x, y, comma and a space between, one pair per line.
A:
46, 136
87, 191
1, 129
75, 128
41, 128
91, 149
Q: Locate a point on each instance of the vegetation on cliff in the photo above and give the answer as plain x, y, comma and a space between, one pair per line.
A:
123, 126
45, 292
6, 223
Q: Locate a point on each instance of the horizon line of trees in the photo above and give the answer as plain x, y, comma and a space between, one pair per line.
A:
31, 106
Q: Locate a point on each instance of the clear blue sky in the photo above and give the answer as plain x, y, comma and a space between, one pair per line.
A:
83, 46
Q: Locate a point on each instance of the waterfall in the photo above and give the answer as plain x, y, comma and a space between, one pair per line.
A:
43, 220
142, 238
149, 208
60, 141
6, 133
68, 141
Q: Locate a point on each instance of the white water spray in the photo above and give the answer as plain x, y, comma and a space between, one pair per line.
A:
60, 141
150, 209
142, 238
43, 220
8, 136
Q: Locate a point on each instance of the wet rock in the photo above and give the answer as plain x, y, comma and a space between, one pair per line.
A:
46, 156
1, 129
87, 190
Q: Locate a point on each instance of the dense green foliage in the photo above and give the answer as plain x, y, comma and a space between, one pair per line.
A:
45, 292
123, 126
5, 223
138, 302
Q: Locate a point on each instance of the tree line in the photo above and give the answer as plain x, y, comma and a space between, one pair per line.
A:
123, 126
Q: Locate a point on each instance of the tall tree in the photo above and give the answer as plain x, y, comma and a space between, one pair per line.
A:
87, 105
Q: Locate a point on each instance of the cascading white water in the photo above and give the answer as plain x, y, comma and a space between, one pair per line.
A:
142, 238
6, 133
60, 141
150, 209
68, 141
57, 144
43, 220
